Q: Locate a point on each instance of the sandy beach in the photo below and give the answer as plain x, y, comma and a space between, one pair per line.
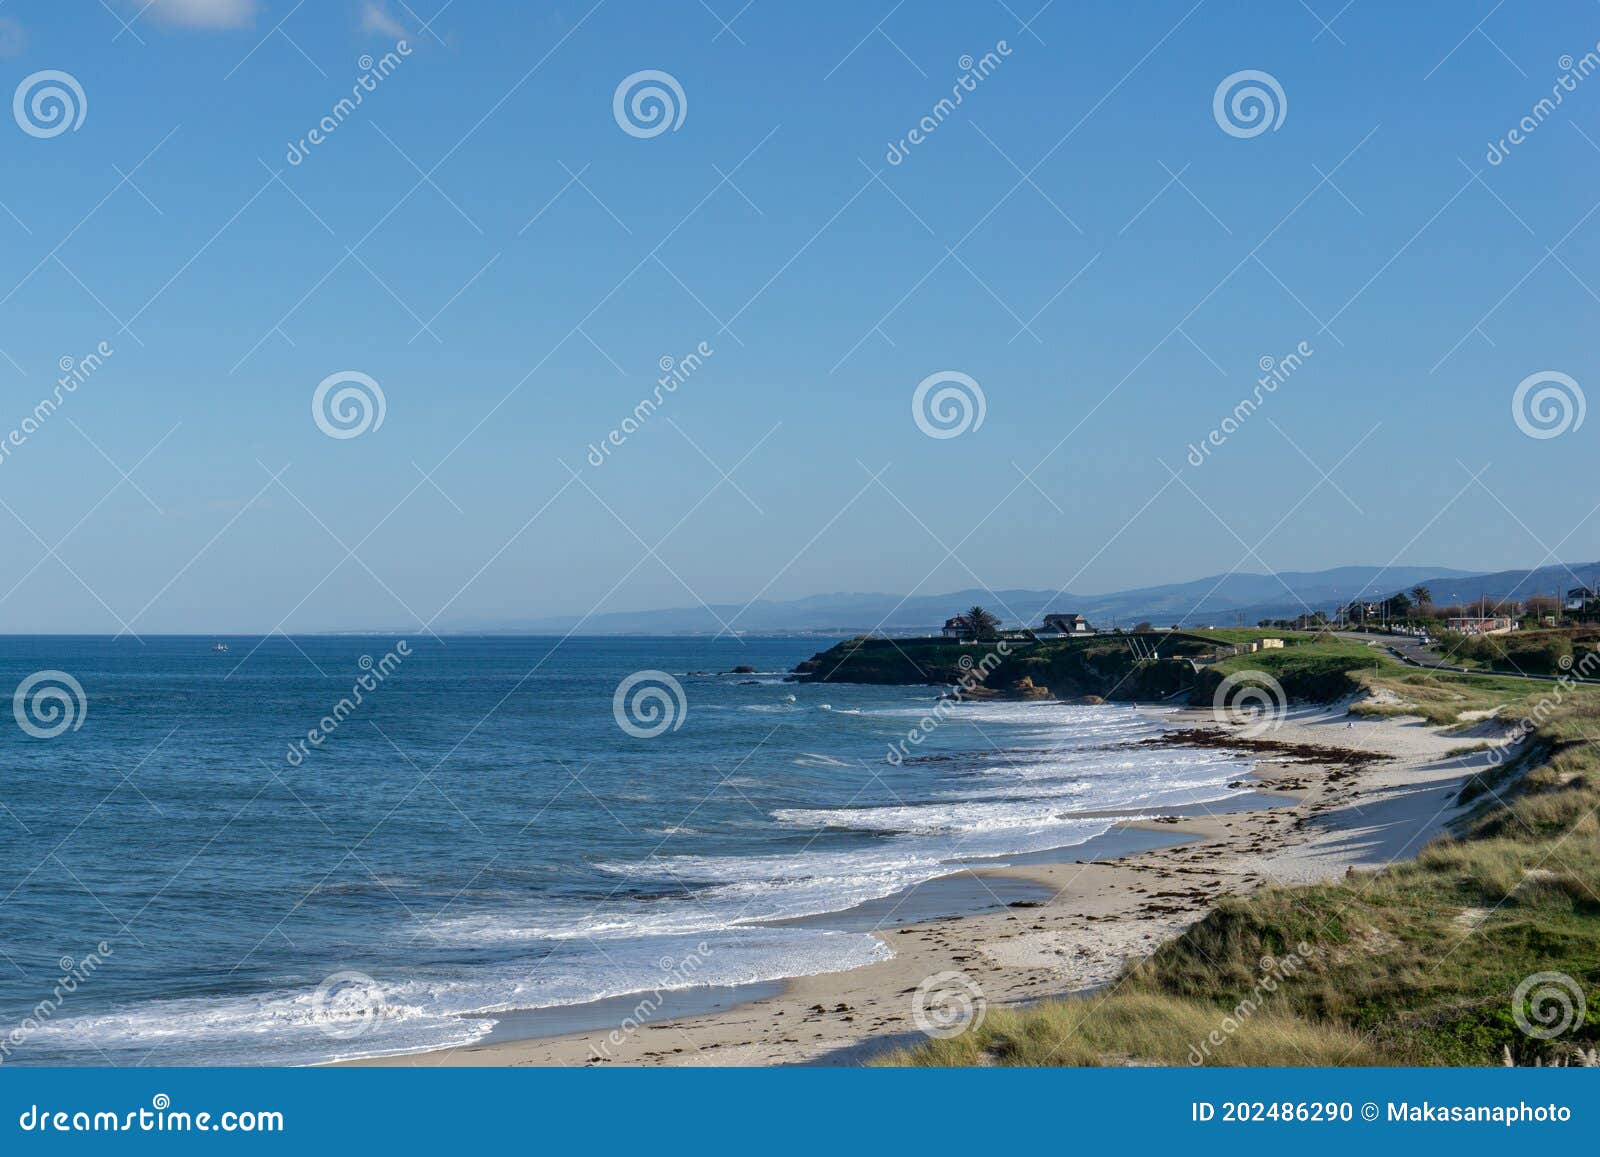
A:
1093, 917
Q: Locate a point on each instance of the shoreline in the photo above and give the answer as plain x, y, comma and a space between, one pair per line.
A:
1099, 914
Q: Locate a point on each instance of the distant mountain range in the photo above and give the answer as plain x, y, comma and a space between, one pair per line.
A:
1220, 600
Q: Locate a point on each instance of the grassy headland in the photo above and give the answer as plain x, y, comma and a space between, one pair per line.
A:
1125, 667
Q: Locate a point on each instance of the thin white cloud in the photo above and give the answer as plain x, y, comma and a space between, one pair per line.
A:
205, 13
375, 17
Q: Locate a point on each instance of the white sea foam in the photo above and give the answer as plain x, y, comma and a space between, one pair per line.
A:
440, 1010
812, 759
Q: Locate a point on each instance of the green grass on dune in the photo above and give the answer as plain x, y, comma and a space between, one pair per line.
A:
1135, 1026
1413, 965
1442, 699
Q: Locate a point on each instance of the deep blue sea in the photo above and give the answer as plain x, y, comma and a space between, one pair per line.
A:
180, 883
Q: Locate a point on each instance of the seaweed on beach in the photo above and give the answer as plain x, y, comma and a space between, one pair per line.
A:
1309, 752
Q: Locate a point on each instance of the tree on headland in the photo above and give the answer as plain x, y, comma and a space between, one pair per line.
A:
982, 623
1422, 596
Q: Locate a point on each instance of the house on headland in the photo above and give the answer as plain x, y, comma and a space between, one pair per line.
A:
957, 627
1065, 625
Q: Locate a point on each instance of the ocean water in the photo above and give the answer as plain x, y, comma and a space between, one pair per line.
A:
181, 884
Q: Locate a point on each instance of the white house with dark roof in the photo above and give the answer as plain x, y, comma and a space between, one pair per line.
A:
957, 627
1065, 625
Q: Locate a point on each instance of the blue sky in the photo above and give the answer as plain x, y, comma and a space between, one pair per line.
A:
1080, 237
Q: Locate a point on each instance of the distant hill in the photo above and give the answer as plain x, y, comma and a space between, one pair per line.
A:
1218, 600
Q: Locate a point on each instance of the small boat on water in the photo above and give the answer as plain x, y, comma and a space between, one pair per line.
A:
219, 648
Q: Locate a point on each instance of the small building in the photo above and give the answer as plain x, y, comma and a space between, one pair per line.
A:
1482, 624
1271, 644
1066, 625
1580, 597
957, 627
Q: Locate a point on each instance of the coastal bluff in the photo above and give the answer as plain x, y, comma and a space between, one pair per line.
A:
1105, 667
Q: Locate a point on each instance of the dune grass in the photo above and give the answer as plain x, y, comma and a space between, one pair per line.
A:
1443, 698
1135, 1027
1413, 965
